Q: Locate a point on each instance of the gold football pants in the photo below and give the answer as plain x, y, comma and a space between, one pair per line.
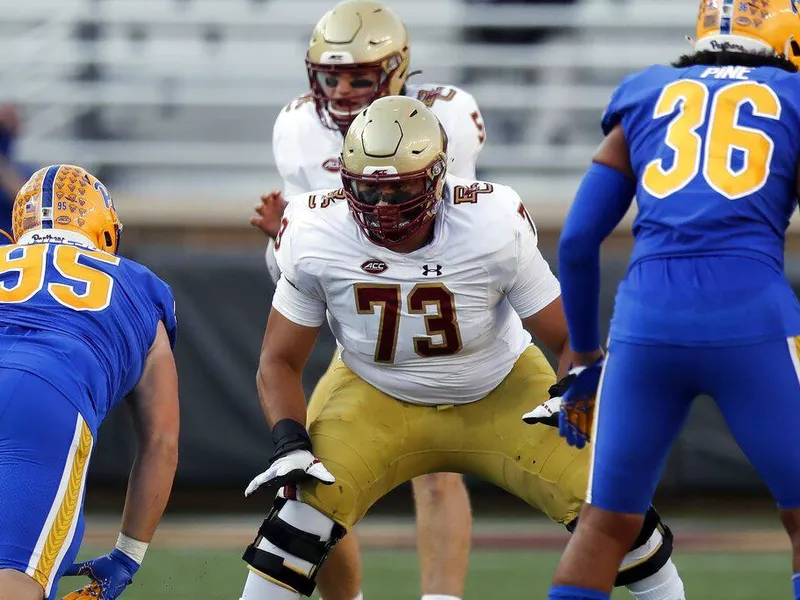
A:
372, 443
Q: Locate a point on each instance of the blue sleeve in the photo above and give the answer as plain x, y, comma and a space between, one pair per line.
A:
629, 98
159, 294
602, 200
165, 304
616, 106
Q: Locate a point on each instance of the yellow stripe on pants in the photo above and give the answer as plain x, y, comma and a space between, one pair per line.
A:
67, 511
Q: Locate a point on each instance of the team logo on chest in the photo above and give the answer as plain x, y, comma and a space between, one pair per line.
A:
374, 266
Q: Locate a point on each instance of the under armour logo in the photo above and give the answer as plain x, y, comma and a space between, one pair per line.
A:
428, 271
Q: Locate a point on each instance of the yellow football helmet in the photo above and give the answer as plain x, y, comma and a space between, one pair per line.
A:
750, 26
394, 161
65, 197
358, 52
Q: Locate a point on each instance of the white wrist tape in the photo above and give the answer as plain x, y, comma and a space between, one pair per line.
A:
131, 547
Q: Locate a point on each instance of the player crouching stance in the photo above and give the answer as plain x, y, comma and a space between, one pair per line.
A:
431, 283
80, 329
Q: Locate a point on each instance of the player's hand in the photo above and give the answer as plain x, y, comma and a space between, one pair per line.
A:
269, 213
547, 412
295, 467
110, 575
576, 414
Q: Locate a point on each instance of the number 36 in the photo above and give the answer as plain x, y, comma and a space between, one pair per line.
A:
724, 135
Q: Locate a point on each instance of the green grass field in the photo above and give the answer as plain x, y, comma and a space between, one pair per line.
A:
393, 575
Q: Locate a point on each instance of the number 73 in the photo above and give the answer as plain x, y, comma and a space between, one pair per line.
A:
443, 322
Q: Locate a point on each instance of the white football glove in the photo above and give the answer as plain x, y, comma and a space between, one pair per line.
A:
546, 413
295, 467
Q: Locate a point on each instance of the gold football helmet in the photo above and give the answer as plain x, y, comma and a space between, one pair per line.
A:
750, 26
69, 198
358, 52
394, 161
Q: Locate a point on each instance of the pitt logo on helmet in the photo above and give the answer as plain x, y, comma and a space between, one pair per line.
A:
750, 26
66, 200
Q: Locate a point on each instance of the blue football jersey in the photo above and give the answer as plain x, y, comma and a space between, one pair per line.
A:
81, 319
715, 151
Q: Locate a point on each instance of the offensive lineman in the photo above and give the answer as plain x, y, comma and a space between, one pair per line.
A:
347, 70
422, 276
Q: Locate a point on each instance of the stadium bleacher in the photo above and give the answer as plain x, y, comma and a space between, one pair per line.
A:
173, 100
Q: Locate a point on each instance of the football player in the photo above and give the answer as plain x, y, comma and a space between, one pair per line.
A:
80, 328
710, 147
427, 280
359, 51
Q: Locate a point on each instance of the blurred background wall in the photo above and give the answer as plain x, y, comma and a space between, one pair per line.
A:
171, 104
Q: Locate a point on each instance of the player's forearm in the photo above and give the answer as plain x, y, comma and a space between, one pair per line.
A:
280, 389
565, 359
149, 486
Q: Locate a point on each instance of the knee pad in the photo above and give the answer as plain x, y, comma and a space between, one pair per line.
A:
291, 545
648, 554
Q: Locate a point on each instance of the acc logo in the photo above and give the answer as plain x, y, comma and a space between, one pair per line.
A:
331, 165
374, 267
64, 220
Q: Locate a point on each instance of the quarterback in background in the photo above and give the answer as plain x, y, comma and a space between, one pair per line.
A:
80, 329
359, 51
710, 146
432, 317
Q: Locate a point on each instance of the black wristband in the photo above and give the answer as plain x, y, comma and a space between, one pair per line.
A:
287, 436
561, 386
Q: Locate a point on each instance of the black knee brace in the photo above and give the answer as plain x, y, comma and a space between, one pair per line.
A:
301, 544
655, 559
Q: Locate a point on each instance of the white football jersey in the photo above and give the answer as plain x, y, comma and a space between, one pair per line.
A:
307, 153
436, 326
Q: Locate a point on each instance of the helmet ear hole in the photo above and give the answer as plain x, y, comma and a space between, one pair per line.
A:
108, 240
795, 48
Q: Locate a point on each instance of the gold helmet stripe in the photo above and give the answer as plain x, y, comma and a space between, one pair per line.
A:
46, 207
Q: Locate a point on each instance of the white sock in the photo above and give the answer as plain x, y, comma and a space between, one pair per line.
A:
439, 597
664, 585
